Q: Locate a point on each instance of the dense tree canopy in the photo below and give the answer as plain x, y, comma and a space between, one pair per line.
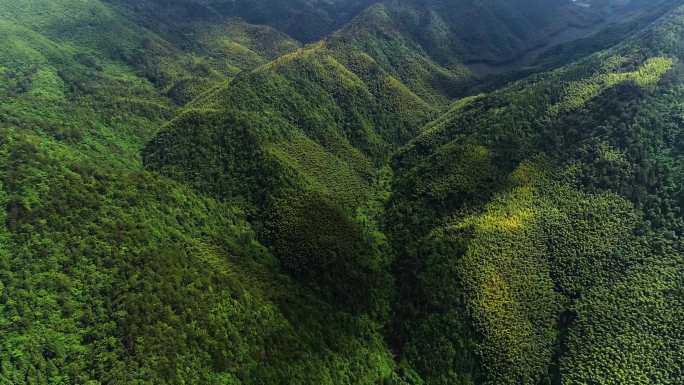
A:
394, 192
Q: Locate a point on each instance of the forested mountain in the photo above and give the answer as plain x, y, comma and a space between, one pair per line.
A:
436, 49
304, 20
549, 212
399, 192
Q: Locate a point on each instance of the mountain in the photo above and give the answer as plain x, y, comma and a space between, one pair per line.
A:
542, 221
305, 20
307, 118
436, 49
404, 192
106, 267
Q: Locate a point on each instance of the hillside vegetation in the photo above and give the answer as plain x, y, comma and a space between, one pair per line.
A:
336, 192
112, 274
568, 195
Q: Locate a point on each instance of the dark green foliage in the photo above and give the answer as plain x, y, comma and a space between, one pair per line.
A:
130, 278
111, 274
439, 53
325, 132
321, 246
187, 151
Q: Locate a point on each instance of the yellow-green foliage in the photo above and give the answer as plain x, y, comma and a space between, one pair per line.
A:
508, 286
612, 154
318, 61
630, 332
234, 46
532, 250
383, 32
323, 171
46, 84
268, 42
443, 118
540, 262
23, 47
393, 96
649, 73
324, 124
578, 93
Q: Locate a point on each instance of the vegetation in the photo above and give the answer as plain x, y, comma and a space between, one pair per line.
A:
529, 253
214, 192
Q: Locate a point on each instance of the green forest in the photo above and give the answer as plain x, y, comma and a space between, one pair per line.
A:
341, 192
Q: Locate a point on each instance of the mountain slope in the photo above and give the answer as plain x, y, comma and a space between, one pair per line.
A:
318, 122
436, 50
188, 198
302, 134
536, 209
305, 20
125, 277
112, 274
482, 202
